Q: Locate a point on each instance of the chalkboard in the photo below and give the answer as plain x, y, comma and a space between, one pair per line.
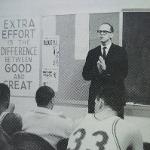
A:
136, 40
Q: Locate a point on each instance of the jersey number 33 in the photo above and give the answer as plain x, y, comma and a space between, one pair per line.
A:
99, 144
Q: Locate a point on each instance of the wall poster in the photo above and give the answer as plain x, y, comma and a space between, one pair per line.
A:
19, 54
50, 61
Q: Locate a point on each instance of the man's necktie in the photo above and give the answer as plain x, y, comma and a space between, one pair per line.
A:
104, 53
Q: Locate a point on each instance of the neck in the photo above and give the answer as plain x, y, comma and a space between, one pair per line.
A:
50, 106
105, 113
106, 43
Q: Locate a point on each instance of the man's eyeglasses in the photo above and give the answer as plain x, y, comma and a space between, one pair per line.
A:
103, 31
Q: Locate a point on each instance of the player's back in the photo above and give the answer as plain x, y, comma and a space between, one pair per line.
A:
50, 125
95, 134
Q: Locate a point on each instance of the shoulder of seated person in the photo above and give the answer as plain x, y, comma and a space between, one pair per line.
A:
62, 116
126, 125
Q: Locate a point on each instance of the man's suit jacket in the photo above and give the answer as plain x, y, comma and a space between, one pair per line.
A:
116, 68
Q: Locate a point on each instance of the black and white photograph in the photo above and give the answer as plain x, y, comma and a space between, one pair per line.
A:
74, 75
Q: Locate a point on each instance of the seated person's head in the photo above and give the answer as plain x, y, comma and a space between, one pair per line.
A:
4, 97
109, 96
44, 97
11, 123
5, 141
30, 141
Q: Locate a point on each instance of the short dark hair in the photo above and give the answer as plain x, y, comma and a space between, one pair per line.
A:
112, 96
11, 123
111, 27
44, 95
4, 95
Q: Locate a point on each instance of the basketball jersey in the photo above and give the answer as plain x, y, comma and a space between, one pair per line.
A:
94, 134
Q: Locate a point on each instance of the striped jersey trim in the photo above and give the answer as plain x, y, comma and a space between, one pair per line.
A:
114, 133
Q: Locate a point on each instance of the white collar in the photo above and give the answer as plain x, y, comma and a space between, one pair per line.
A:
44, 110
107, 47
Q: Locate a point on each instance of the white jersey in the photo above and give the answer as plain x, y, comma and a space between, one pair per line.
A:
48, 124
93, 134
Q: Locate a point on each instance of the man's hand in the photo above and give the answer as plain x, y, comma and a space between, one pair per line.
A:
101, 64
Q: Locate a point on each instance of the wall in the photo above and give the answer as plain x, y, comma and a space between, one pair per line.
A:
46, 7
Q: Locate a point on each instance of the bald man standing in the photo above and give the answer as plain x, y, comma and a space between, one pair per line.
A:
107, 64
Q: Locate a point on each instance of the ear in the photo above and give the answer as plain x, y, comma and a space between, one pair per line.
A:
111, 35
97, 101
101, 103
49, 105
96, 104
